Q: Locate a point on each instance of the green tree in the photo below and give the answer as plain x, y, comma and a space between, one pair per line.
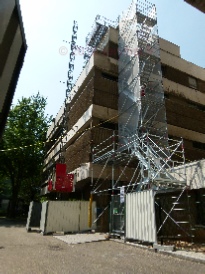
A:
22, 148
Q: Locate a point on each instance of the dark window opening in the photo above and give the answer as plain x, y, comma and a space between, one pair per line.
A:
113, 50
182, 78
199, 145
192, 82
109, 77
200, 107
200, 202
108, 125
164, 69
166, 95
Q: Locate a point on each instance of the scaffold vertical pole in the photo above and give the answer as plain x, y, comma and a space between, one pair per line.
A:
113, 179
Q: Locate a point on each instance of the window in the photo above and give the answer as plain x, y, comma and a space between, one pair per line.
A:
164, 70
108, 125
109, 77
192, 82
199, 145
166, 95
200, 199
197, 106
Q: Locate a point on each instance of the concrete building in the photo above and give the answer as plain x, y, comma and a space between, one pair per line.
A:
184, 86
94, 99
91, 112
12, 52
199, 4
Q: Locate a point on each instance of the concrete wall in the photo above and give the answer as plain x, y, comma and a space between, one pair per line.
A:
199, 4
185, 101
12, 51
169, 47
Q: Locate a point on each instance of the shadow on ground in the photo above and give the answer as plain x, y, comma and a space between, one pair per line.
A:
6, 222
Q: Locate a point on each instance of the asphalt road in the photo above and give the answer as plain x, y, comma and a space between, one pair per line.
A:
22, 252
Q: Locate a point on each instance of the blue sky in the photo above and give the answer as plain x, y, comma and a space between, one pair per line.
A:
48, 22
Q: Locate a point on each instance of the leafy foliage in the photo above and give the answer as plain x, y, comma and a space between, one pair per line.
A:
23, 142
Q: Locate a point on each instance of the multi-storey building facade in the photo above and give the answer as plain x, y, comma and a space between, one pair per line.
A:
12, 52
199, 4
91, 113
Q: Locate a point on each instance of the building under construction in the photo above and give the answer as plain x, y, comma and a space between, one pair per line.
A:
128, 129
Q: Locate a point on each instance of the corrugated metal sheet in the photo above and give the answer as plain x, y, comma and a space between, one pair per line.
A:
65, 216
140, 216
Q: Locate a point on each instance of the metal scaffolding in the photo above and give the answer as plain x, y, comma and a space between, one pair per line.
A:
129, 173
141, 97
159, 174
142, 128
140, 156
97, 39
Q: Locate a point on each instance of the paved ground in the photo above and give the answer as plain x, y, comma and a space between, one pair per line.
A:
22, 252
96, 237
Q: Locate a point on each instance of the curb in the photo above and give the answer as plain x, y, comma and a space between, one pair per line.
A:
173, 254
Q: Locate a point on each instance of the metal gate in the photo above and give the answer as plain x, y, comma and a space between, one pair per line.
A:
117, 215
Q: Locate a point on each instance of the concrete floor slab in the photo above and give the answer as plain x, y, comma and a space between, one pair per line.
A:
82, 238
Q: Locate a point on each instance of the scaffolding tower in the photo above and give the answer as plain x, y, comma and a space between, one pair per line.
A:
142, 129
140, 156
97, 39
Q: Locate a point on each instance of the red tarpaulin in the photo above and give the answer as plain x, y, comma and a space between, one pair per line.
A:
50, 185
